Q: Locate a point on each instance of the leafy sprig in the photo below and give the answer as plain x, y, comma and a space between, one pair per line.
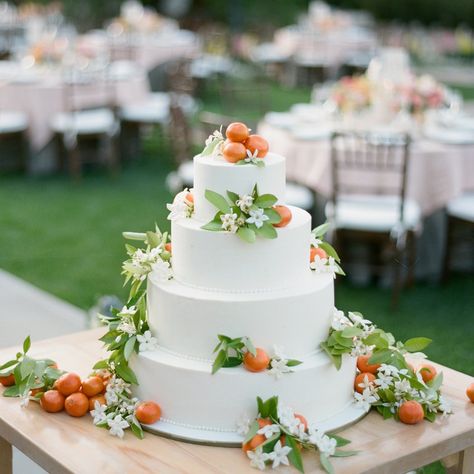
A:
230, 352
235, 217
318, 241
295, 439
29, 374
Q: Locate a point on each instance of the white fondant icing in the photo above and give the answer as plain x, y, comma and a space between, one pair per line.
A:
190, 395
222, 260
187, 320
220, 176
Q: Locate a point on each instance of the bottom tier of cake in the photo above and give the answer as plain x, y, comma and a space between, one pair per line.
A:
200, 407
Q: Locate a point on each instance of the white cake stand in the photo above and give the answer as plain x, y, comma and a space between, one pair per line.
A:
350, 415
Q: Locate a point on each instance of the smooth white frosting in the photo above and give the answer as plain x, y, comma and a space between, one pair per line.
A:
189, 395
218, 175
187, 320
220, 260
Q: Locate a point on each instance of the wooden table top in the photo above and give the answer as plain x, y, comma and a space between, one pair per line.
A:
62, 444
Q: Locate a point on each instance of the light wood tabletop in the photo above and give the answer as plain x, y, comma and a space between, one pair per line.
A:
62, 444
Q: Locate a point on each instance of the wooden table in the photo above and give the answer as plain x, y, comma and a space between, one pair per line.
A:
62, 444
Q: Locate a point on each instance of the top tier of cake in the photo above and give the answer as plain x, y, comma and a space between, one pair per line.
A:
218, 175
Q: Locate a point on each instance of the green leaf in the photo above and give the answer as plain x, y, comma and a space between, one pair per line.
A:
102, 364
246, 234
330, 250
294, 456
381, 357
219, 361
326, 464
234, 197
336, 359
6, 368
126, 373
232, 362
430, 416
137, 430
134, 235
254, 427
340, 440
293, 362
209, 149
339, 453
321, 229
269, 408
129, 346
416, 344
267, 231
266, 201
217, 200
213, 226
351, 332
26, 345
273, 216
436, 383
12, 391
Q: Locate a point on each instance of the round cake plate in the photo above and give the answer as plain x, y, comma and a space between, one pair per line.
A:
350, 415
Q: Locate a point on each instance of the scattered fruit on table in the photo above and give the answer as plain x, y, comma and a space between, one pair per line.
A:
285, 215
470, 392
427, 372
263, 422
256, 441
233, 152
68, 383
148, 412
96, 398
237, 132
317, 251
258, 362
76, 404
361, 379
411, 412
52, 401
92, 386
302, 420
364, 366
7, 380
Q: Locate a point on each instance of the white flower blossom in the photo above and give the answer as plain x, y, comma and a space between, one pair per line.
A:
278, 367
244, 202
279, 455
216, 134
243, 425
365, 399
229, 223
128, 311
340, 321
257, 217
269, 430
147, 342
181, 207
127, 327
445, 405
325, 444
315, 242
359, 348
403, 389
252, 157
162, 270
366, 384
258, 458
428, 400
117, 425
383, 381
98, 413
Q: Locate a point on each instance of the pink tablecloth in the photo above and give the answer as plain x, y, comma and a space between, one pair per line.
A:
43, 99
436, 173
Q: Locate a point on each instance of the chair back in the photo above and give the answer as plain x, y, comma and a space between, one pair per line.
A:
179, 132
370, 163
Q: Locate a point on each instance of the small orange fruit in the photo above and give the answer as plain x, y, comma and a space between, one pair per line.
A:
52, 401
76, 404
237, 132
411, 412
302, 420
168, 247
257, 142
364, 366
96, 398
285, 215
470, 392
148, 413
256, 441
7, 380
263, 422
258, 362
189, 197
316, 251
35, 391
92, 386
427, 371
233, 152
68, 383
361, 379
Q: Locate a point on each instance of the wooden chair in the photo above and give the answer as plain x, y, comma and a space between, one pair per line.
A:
89, 117
460, 230
368, 203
